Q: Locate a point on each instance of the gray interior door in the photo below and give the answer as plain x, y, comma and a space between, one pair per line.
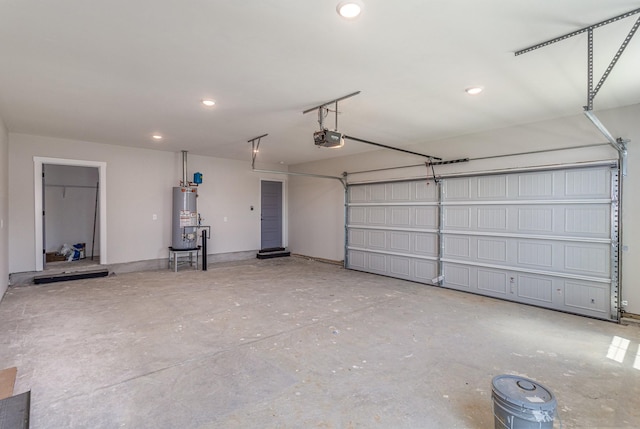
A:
547, 238
271, 215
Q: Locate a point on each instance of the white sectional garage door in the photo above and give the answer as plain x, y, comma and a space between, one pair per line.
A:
547, 238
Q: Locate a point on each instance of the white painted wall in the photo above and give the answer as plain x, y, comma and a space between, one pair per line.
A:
138, 184
229, 190
70, 206
4, 209
317, 205
316, 217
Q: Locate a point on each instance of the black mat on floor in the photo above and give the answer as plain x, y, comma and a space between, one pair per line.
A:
270, 255
14, 411
52, 278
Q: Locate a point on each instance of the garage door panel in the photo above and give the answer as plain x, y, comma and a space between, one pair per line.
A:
376, 240
535, 254
400, 266
457, 276
425, 271
553, 256
357, 237
425, 217
588, 220
582, 297
377, 263
376, 216
491, 187
587, 296
587, 183
457, 247
358, 215
358, 194
535, 288
456, 189
492, 250
400, 216
400, 241
425, 244
562, 220
493, 281
425, 191
377, 193
357, 259
589, 259
535, 185
535, 220
534, 237
547, 185
400, 191
492, 218
457, 218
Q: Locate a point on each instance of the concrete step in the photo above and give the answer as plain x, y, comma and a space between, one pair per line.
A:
277, 252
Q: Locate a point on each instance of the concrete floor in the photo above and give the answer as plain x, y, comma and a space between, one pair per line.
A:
292, 343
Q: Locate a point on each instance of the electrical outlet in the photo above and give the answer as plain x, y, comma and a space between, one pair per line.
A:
625, 302
154, 217
225, 218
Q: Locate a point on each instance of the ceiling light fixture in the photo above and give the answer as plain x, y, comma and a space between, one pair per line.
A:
157, 137
208, 102
474, 90
349, 9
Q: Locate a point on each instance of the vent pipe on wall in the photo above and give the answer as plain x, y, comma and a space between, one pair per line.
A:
184, 168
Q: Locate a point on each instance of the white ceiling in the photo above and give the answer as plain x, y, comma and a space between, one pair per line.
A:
117, 71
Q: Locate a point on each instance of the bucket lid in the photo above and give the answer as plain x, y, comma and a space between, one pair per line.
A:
523, 392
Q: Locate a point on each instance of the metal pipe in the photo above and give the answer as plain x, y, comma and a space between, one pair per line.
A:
204, 250
255, 147
616, 57
184, 168
590, 93
575, 33
345, 262
330, 102
289, 173
600, 126
440, 278
392, 148
482, 158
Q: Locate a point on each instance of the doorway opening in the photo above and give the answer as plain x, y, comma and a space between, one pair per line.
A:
70, 209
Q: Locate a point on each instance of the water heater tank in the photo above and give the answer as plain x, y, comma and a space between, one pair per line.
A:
185, 218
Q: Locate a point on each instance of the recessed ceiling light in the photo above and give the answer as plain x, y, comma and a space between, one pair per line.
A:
349, 9
474, 90
208, 102
157, 137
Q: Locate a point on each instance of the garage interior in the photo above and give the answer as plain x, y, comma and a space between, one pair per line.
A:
383, 213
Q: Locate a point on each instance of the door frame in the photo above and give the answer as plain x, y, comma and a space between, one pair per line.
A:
283, 219
38, 162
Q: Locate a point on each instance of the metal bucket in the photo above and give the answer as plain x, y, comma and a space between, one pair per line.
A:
520, 403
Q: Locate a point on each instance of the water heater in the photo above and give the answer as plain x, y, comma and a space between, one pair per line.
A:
184, 233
